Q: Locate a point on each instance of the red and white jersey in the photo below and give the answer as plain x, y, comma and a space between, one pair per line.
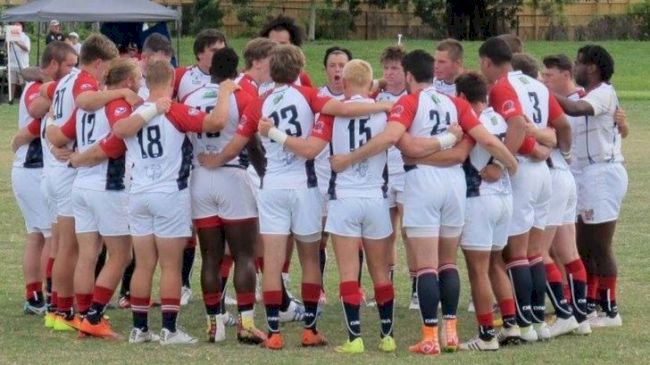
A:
428, 113
596, 138
323, 168
444, 88
520, 95
63, 104
302, 80
368, 178
189, 79
29, 155
161, 152
479, 157
292, 108
247, 84
395, 161
325, 91
205, 99
91, 128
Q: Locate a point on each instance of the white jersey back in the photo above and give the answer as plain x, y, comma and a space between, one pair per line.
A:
596, 139
435, 114
161, 157
29, 155
395, 161
291, 112
91, 128
368, 178
63, 106
205, 99
445, 88
479, 157
533, 97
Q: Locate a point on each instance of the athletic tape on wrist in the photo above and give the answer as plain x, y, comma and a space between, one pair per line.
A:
277, 135
446, 140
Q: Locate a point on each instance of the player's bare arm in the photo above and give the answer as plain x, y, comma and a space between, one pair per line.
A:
222, 107
41, 104
563, 132
232, 150
515, 133
90, 157
308, 147
450, 157
22, 137
545, 136
340, 109
497, 149
389, 137
93, 100
130, 126
575, 108
621, 123
421, 147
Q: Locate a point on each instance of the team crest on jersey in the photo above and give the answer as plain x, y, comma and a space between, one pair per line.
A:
494, 120
86, 86
397, 111
193, 112
277, 98
508, 106
435, 99
288, 157
362, 168
120, 110
210, 95
524, 80
153, 172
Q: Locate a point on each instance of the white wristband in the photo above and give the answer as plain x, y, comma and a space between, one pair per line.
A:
446, 140
148, 112
278, 135
49, 121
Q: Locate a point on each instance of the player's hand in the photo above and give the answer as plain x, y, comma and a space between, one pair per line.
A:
621, 124
74, 159
61, 154
491, 173
131, 97
530, 128
163, 104
264, 125
208, 160
387, 105
228, 86
457, 131
339, 162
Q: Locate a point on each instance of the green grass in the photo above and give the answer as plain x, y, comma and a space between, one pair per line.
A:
24, 340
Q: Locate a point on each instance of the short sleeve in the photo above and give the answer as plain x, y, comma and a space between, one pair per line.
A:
83, 83
178, 76
116, 110
304, 79
323, 127
242, 98
34, 127
186, 118
248, 86
403, 111
505, 101
32, 93
599, 99
51, 88
316, 102
112, 146
249, 120
466, 116
69, 128
554, 109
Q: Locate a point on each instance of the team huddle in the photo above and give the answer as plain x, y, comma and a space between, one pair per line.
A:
130, 160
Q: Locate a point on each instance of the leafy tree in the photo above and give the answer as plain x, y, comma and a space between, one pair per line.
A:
207, 14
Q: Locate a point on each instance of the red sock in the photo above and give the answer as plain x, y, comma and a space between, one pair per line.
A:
83, 302
384, 293
140, 304
350, 292
609, 283
102, 295
32, 290
485, 319
65, 304
553, 274
272, 297
577, 269
245, 301
507, 307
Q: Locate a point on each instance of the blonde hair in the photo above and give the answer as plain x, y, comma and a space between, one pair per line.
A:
358, 73
97, 47
159, 73
286, 63
122, 69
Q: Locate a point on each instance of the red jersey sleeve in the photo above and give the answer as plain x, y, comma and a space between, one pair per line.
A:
69, 128
186, 118
304, 79
504, 100
466, 116
112, 146
51, 88
316, 102
32, 93
249, 120
323, 127
242, 98
554, 109
178, 76
116, 110
403, 111
34, 127
84, 82
248, 85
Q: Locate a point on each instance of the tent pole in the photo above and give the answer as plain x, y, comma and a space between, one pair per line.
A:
38, 44
178, 42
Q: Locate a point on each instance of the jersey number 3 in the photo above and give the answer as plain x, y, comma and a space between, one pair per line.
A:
290, 114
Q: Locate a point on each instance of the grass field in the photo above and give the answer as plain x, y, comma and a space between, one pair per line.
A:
24, 340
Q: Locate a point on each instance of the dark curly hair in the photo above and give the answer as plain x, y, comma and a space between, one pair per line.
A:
282, 22
592, 54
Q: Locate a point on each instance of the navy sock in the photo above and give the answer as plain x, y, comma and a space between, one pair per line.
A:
538, 293
449, 283
351, 298
522, 285
429, 296
188, 262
